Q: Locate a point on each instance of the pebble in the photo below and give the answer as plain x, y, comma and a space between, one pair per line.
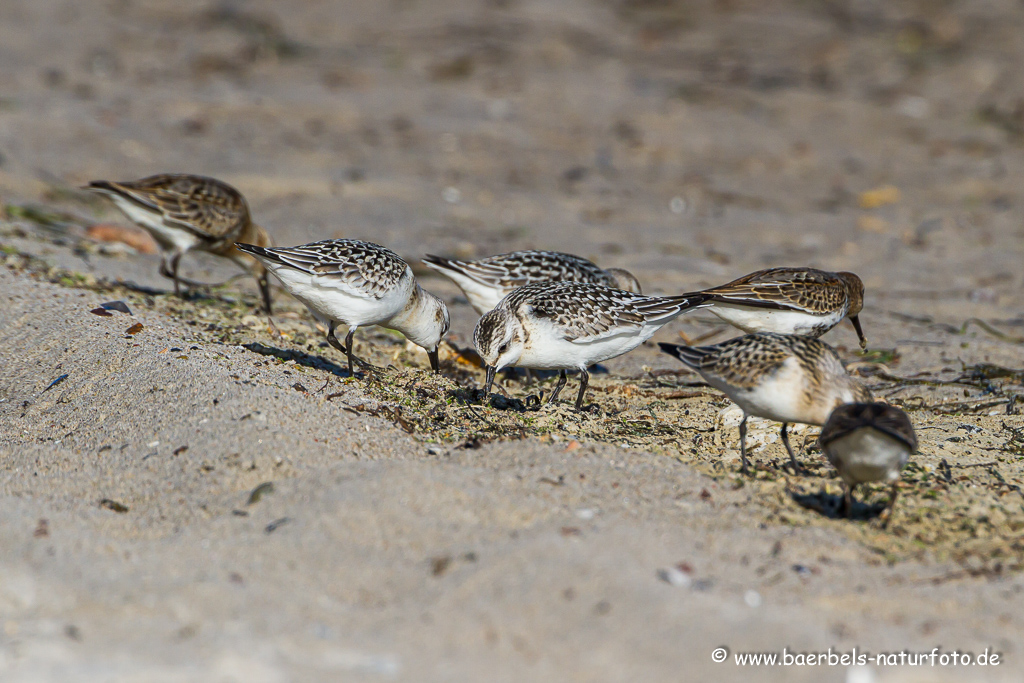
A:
116, 249
860, 674
675, 577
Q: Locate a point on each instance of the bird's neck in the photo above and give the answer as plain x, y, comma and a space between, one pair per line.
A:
416, 320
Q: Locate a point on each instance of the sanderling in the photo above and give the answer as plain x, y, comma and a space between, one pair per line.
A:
357, 284
488, 281
800, 301
781, 377
185, 212
868, 442
570, 325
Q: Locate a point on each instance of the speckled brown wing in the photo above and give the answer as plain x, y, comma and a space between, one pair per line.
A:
803, 289
362, 266
586, 312
888, 419
745, 361
210, 208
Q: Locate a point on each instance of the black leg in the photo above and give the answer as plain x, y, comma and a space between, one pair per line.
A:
347, 349
264, 284
348, 343
743, 444
174, 273
584, 381
169, 269
848, 500
892, 504
789, 449
332, 340
558, 387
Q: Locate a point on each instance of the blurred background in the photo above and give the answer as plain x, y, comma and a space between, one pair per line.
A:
688, 141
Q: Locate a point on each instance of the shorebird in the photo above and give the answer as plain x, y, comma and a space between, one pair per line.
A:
488, 281
570, 325
186, 212
357, 283
781, 377
868, 442
802, 301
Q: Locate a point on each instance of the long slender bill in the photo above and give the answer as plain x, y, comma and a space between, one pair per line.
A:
435, 364
860, 333
490, 380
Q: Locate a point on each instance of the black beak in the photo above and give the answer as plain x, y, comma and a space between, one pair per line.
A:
860, 333
490, 380
435, 364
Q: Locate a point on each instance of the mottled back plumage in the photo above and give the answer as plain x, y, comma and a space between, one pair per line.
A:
363, 266
887, 419
744, 361
804, 289
519, 268
585, 311
210, 208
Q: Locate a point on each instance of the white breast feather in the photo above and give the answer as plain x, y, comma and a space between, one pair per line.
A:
330, 298
778, 397
548, 348
170, 237
868, 455
751, 319
481, 297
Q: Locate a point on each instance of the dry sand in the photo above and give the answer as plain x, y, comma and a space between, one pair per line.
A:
410, 534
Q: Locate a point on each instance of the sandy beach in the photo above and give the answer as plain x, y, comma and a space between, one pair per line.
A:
190, 493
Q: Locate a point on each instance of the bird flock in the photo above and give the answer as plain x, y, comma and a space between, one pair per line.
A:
546, 310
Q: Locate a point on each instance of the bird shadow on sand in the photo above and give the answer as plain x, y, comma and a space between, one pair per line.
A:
194, 291
531, 377
830, 505
528, 404
133, 286
305, 359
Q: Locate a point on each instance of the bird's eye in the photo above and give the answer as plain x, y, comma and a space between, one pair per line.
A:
503, 348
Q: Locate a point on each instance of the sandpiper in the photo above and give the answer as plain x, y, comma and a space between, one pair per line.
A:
781, 377
802, 301
186, 212
357, 283
570, 325
488, 281
868, 442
